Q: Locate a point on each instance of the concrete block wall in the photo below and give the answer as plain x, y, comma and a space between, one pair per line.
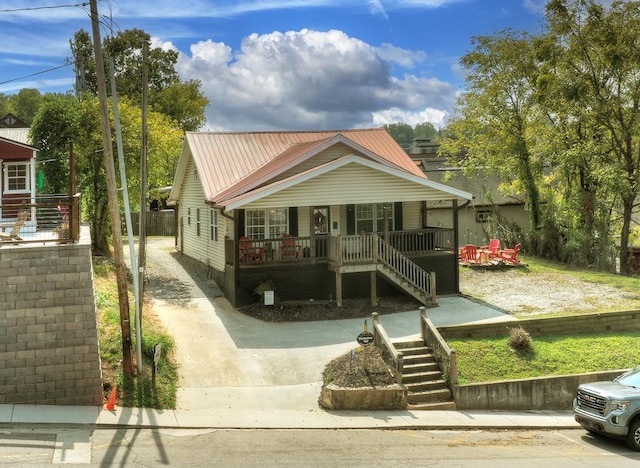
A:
48, 329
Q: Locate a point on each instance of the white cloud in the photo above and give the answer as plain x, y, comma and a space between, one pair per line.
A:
310, 80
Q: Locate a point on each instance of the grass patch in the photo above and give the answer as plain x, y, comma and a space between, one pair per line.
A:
491, 359
140, 391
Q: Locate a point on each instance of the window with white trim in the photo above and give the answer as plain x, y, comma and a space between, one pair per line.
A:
198, 222
370, 217
213, 225
17, 177
266, 224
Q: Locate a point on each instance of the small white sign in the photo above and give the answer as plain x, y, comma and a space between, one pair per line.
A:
269, 297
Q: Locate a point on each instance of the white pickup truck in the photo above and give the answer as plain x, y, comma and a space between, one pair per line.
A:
611, 408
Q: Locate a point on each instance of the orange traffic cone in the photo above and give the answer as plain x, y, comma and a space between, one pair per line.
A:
111, 403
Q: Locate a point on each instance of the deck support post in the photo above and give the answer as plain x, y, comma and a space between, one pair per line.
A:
338, 289
374, 288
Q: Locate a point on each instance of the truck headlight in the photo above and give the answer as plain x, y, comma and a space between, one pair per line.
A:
619, 405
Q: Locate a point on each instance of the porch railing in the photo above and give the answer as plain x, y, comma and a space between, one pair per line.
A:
45, 218
277, 249
340, 249
405, 268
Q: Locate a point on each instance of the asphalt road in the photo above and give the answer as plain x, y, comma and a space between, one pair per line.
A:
38, 446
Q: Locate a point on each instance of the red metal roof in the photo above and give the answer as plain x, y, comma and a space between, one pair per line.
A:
230, 164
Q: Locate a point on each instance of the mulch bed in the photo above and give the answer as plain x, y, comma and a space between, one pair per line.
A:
309, 311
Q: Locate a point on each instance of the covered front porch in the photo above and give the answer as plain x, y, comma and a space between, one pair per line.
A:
339, 250
406, 259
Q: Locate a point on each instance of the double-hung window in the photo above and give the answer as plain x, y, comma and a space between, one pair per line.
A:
16, 177
266, 224
370, 217
213, 227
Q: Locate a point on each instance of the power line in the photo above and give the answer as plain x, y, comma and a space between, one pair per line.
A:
13, 10
68, 64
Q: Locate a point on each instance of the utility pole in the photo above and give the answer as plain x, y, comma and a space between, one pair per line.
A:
110, 174
142, 228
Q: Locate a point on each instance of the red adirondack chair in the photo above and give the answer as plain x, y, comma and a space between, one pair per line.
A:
248, 252
469, 254
493, 248
510, 255
289, 249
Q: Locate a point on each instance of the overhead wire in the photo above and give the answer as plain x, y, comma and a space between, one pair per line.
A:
107, 23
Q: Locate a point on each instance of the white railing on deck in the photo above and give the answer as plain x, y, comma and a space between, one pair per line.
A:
402, 266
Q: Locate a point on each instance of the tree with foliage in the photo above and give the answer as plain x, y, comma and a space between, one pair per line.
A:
63, 119
25, 103
599, 61
495, 126
402, 133
182, 101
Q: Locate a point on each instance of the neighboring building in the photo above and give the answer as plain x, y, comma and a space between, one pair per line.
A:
17, 165
480, 219
327, 214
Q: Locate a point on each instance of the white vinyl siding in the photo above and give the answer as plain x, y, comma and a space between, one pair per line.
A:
199, 246
352, 183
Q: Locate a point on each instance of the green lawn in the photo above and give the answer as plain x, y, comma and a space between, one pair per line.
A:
491, 359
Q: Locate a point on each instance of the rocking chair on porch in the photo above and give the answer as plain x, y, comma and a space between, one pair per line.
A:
248, 252
289, 249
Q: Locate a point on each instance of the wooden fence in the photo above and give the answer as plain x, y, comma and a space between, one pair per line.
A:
158, 223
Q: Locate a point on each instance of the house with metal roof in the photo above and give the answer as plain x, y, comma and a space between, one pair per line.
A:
17, 165
314, 215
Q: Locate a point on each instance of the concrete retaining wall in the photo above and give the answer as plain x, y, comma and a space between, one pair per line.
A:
571, 325
48, 332
385, 398
543, 393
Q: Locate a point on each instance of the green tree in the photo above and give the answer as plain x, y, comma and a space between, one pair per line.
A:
599, 63
497, 118
63, 119
402, 133
25, 103
425, 130
4, 104
180, 100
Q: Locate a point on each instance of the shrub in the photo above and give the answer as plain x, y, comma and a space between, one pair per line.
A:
520, 339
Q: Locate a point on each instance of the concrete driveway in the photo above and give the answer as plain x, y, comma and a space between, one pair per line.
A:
225, 355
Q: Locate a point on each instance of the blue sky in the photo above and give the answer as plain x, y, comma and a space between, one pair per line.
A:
280, 64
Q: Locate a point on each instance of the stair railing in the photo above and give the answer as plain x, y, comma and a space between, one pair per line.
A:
405, 268
446, 356
392, 356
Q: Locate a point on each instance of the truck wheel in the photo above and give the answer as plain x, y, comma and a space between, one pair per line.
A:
633, 437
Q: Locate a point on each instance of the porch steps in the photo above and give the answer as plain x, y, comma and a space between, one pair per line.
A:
421, 375
406, 286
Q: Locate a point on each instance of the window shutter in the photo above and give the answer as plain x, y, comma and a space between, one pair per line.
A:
351, 220
240, 220
397, 216
293, 221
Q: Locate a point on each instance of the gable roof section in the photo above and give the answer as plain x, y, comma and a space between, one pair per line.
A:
18, 136
230, 164
348, 189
